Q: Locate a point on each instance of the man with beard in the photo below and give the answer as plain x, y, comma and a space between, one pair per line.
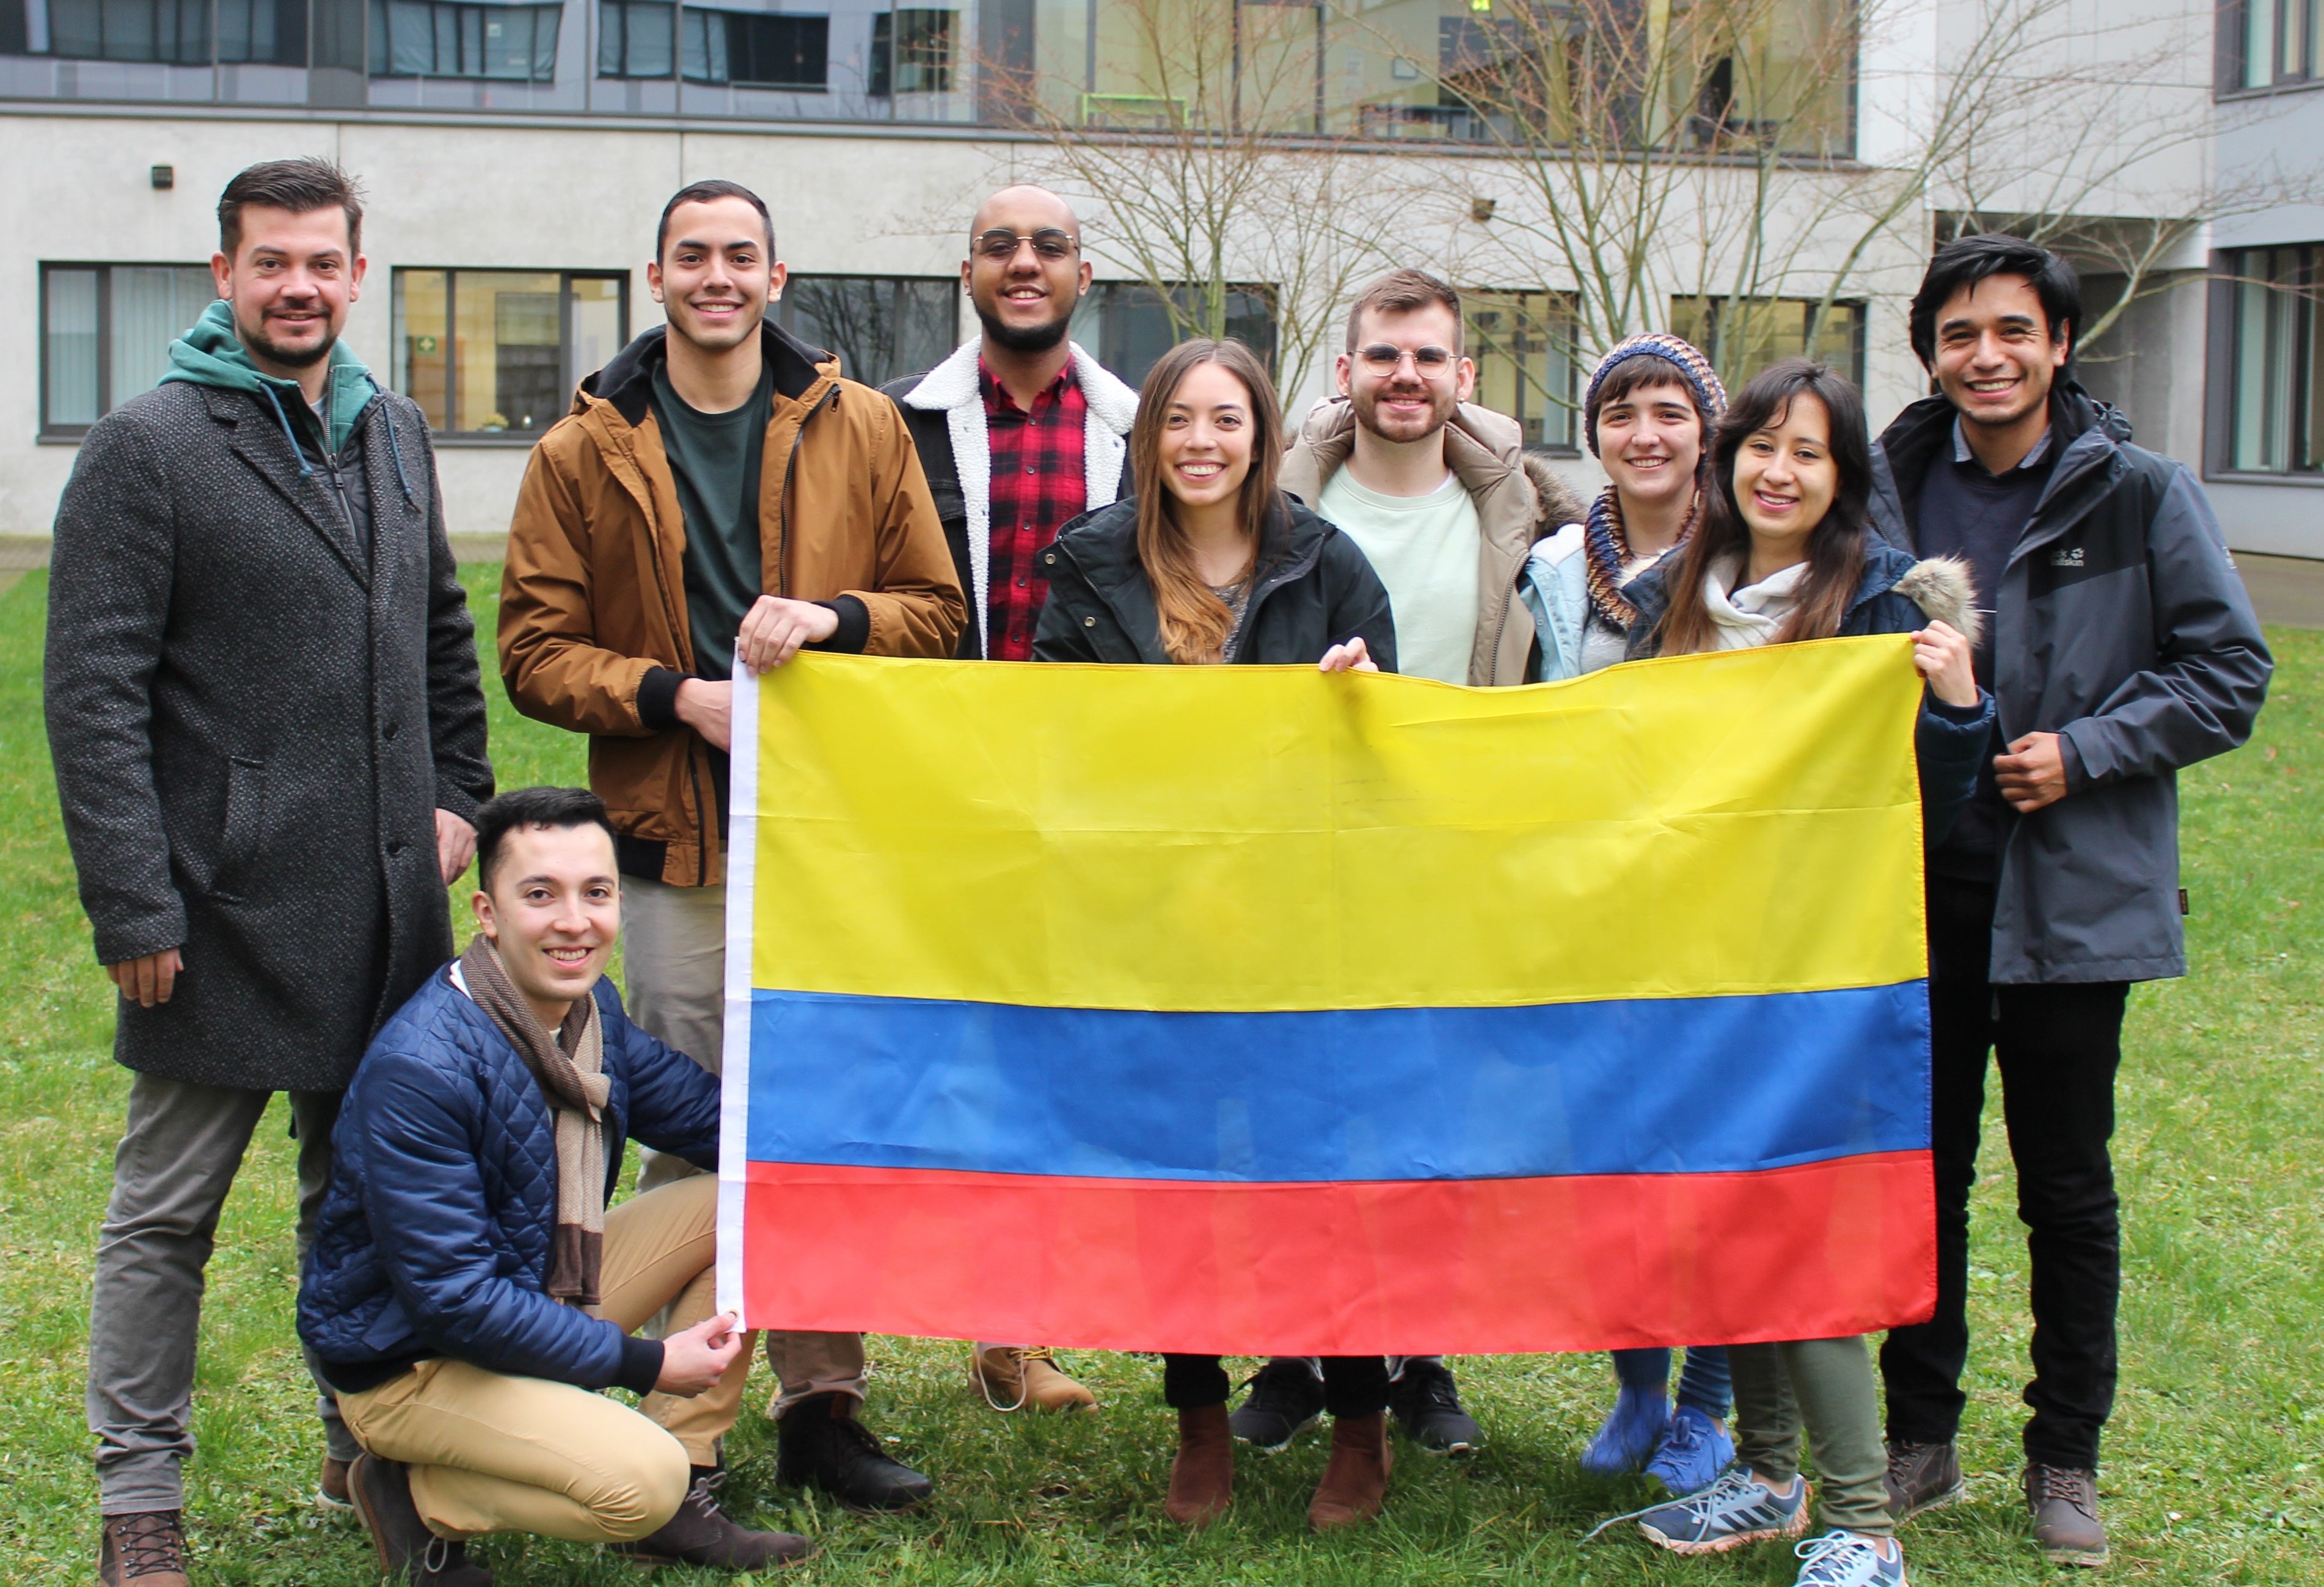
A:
1020, 431
717, 495
268, 740
1443, 501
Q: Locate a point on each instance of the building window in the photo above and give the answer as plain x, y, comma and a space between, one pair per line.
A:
2275, 425
1126, 327
911, 53
636, 38
756, 50
1522, 343
2275, 42
453, 39
106, 331
1743, 336
171, 33
880, 326
498, 351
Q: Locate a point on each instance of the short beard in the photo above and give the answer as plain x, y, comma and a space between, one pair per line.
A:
1368, 415
273, 352
1026, 338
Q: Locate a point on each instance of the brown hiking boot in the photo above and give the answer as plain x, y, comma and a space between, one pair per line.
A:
146, 1548
702, 1534
331, 1488
1921, 1477
1201, 1476
381, 1490
1013, 1376
2065, 1506
1355, 1481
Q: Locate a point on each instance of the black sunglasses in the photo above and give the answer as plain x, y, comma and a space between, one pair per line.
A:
1050, 244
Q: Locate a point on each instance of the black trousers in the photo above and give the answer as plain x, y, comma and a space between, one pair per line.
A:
1353, 1385
2057, 1048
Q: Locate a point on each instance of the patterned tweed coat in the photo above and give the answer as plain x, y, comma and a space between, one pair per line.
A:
255, 710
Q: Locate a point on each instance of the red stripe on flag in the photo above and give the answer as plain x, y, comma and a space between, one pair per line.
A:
1464, 1267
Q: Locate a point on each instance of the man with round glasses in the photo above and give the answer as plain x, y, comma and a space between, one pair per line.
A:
1442, 499
1019, 432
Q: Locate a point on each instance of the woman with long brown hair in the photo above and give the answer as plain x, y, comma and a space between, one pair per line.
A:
1212, 563
1786, 553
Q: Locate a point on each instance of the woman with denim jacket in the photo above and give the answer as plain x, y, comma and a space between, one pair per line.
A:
1785, 552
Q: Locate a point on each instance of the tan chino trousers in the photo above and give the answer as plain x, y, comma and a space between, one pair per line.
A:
489, 1452
674, 959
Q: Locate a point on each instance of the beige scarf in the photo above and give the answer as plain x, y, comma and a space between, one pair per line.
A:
569, 1064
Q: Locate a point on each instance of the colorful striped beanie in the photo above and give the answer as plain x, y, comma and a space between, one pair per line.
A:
1709, 396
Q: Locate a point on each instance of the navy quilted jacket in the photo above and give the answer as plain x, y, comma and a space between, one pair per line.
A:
434, 1232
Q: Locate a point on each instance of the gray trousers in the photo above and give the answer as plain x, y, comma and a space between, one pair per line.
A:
177, 1161
674, 959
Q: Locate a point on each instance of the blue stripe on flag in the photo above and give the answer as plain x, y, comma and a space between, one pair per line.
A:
1672, 1085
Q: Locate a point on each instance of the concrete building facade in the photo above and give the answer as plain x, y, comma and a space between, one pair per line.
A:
517, 155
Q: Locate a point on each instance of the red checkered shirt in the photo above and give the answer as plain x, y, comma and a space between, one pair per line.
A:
1038, 486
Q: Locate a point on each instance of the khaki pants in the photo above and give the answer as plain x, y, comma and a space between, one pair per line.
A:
674, 959
1826, 1386
493, 1452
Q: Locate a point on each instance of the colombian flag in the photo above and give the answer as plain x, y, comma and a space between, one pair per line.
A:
1247, 1009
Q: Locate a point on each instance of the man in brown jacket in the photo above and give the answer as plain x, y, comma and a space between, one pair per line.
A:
717, 493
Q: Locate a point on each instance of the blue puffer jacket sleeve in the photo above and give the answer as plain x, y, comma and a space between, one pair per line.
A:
430, 1221
674, 1105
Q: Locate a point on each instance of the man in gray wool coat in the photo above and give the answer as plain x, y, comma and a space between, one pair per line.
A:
263, 705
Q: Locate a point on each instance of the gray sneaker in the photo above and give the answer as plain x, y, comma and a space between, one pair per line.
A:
2065, 1506
1847, 1559
1921, 1477
1729, 1513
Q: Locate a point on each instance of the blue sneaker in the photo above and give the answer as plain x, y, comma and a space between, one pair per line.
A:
1847, 1559
1693, 1451
1630, 1433
1733, 1512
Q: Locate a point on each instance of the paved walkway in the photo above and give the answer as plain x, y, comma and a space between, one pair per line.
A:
2288, 591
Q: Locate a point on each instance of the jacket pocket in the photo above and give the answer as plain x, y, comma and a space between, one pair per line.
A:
245, 825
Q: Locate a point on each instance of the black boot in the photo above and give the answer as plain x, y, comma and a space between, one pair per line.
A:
382, 1492
700, 1534
819, 1444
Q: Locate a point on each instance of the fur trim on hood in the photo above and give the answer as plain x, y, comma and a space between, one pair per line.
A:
1942, 589
1561, 504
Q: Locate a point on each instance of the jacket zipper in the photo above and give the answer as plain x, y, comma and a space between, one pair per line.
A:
790, 473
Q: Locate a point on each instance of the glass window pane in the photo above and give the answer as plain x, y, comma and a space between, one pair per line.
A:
152, 305
2263, 389
70, 336
423, 342
2259, 43
2310, 345
507, 365
594, 305
1522, 345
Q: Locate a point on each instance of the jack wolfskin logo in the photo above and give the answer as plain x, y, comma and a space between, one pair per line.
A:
2068, 557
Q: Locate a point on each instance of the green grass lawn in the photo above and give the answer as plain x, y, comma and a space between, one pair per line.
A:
2212, 1472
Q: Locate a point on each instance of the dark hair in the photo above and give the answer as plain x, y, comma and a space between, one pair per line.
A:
705, 193
1400, 291
523, 807
1836, 546
1966, 260
1634, 373
1193, 622
301, 186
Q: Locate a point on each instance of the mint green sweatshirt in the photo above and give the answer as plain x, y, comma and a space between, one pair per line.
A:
212, 355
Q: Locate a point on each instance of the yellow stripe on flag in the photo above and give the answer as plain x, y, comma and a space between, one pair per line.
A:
1249, 838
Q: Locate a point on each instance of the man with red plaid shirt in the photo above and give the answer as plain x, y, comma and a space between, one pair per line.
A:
1020, 431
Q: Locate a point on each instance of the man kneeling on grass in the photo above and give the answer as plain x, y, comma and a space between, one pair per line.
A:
468, 1291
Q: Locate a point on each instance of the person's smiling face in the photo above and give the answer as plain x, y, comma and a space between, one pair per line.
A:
1025, 271
1206, 441
1785, 479
552, 906
1394, 395
1996, 355
715, 275
1650, 440
292, 280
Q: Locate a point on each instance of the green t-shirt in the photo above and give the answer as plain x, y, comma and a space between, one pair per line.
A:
714, 458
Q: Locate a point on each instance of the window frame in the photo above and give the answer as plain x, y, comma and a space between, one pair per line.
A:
74, 434
1562, 302
783, 310
2224, 364
379, 43
2233, 51
450, 436
1715, 303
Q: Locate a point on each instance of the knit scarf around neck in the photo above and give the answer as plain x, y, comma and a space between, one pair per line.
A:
1606, 554
569, 1064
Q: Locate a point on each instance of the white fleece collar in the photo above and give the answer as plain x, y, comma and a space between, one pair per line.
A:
953, 389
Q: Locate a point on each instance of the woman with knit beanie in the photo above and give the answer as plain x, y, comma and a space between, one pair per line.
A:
1647, 415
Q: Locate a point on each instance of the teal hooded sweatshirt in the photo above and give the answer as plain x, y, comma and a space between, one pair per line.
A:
212, 355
